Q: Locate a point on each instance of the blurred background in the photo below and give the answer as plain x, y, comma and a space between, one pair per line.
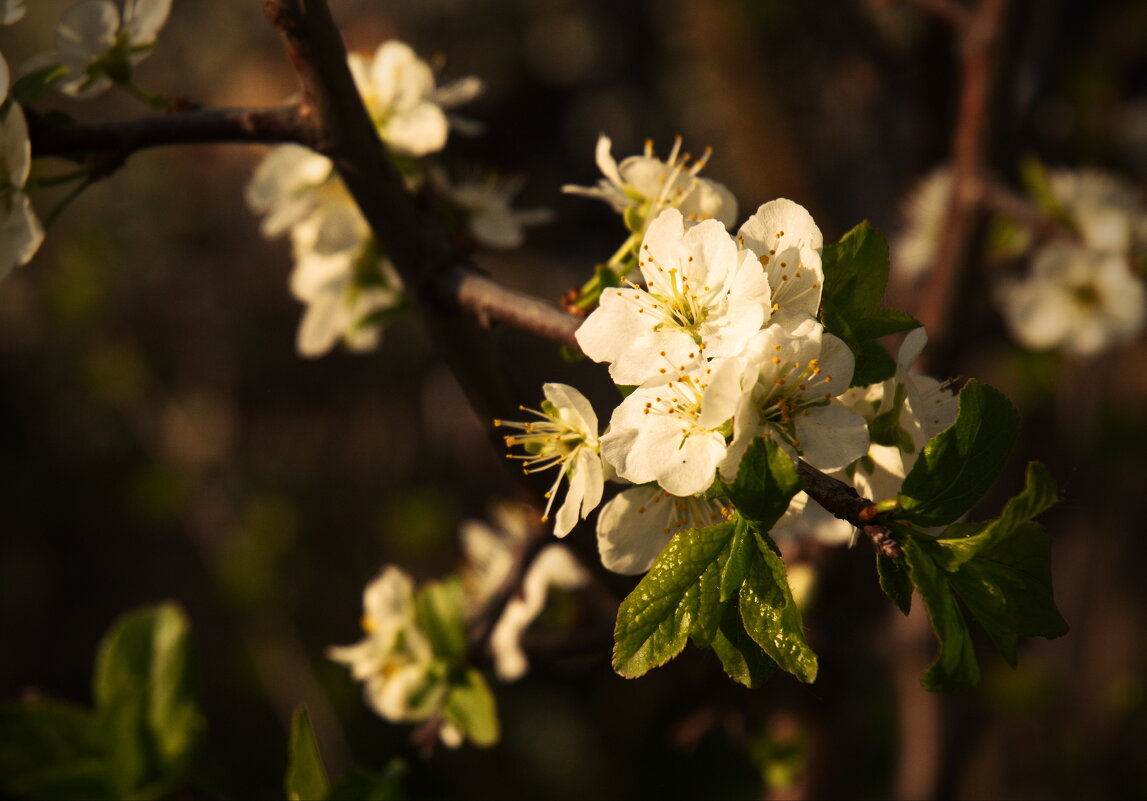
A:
160, 438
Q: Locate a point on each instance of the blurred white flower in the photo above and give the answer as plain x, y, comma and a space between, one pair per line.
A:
11, 11
99, 41
564, 437
20, 231
339, 273
394, 659
1075, 298
343, 280
398, 89
486, 203
642, 187
1107, 211
924, 215
490, 555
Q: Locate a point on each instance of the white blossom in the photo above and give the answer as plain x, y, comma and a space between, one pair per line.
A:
918, 406
99, 41
11, 11
702, 297
924, 216
787, 242
1107, 211
394, 659
642, 187
342, 280
398, 89
490, 555
565, 436
486, 202
634, 527
20, 231
339, 273
672, 428
795, 371
1076, 299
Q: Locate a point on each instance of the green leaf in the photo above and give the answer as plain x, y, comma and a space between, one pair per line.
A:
1003, 570
855, 277
439, 613
766, 481
29, 88
145, 694
895, 582
955, 666
771, 616
737, 565
679, 597
873, 364
306, 778
361, 785
740, 655
958, 465
51, 749
470, 706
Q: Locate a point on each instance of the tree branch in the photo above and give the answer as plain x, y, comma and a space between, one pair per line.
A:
845, 503
119, 140
948, 290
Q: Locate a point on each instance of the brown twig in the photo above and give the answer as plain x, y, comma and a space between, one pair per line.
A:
999, 198
120, 139
951, 282
845, 503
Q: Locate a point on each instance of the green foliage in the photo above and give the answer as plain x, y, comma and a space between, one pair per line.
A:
29, 88
470, 706
679, 597
361, 785
306, 778
1000, 570
895, 582
771, 615
136, 742
855, 276
765, 482
958, 465
439, 614
724, 587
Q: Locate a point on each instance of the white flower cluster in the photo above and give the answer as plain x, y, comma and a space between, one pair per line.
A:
404, 679
1083, 297
1080, 296
20, 231
340, 273
718, 345
99, 41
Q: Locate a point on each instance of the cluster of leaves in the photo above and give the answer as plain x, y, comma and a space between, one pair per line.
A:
139, 739
725, 586
469, 704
